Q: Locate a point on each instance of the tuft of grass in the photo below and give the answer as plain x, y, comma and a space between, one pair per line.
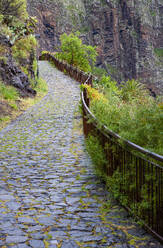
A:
41, 86
10, 96
14, 106
5, 119
159, 52
8, 92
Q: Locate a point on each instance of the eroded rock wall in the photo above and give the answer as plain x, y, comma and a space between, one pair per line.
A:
127, 34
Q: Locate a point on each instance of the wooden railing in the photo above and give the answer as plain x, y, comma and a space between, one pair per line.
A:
140, 171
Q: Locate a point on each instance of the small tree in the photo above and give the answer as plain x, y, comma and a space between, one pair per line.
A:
74, 52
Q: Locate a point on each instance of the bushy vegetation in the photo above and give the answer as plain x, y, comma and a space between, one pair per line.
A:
18, 28
96, 152
41, 87
24, 53
8, 92
23, 47
19, 48
14, 105
129, 111
11, 9
159, 52
121, 182
75, 53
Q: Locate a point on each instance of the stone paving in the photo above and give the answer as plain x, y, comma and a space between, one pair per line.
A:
49, 195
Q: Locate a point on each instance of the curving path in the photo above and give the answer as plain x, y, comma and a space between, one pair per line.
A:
49, 195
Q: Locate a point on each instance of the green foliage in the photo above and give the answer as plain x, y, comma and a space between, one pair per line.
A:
4, 29
112, 70
99, 72
4, 119
159, 52
108, 85
11, 9
3, 58
132, 90
95, 150
9, 96
14, 106
14, 20
44, 52
18, 28
31, 24
74, 52
23, 47
75, 12
23, 52
41, 86
8, 92
34, 66
1, 18
132, 113
121, 181
103, 2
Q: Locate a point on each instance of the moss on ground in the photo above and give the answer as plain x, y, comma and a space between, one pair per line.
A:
13, 106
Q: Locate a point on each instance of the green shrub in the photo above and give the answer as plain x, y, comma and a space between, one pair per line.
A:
34, 66
132, 113
132, 89
11, 9
120, 181
41, 86
96, 152
3, 58
75, 53
23, 47
99, 72
4, 119
8, 92
14, 106
159, 52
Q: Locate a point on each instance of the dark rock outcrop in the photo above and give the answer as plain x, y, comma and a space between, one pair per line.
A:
10, 73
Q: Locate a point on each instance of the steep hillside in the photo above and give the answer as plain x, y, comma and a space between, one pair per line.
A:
18, 63
17, 47
128, 34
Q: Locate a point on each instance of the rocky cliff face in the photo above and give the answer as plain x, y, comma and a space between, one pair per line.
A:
128, 34
54, 18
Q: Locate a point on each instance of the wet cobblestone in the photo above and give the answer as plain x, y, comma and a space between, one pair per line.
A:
49, 195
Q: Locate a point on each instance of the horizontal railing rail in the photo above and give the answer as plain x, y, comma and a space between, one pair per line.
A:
140, 171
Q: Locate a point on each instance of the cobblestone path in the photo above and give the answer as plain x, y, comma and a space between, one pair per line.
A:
49, 195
